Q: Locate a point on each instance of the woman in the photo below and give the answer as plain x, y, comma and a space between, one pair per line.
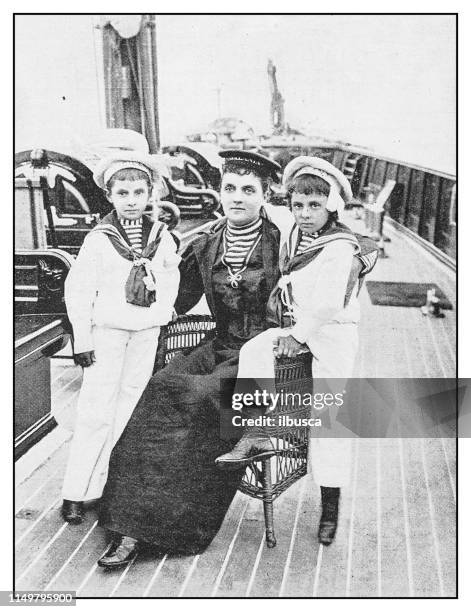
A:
163, 486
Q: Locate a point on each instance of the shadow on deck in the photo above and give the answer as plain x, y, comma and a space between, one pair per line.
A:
396, 534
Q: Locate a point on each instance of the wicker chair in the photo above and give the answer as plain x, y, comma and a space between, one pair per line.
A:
267, 479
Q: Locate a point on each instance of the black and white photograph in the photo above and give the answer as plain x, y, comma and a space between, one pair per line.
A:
235, 306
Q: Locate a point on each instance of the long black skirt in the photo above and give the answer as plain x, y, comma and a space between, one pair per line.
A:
163, 486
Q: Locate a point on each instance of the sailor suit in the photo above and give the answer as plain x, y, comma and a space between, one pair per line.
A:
116, 316
312, 292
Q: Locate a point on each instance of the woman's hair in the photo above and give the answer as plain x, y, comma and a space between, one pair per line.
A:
308, 184
242, 168
129, 174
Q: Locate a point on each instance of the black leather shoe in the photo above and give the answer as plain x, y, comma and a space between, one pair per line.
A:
73, 511
329, 516
120, 553
248, 449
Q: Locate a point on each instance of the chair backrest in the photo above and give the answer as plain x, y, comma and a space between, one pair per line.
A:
30, 229
64, 190
185, 333
192, 202
290, 437
39, 281
204, 168
384, 195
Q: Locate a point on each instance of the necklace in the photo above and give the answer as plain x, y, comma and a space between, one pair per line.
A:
234, 277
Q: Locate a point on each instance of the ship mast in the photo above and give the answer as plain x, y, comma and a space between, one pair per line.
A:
277, 105
130, 74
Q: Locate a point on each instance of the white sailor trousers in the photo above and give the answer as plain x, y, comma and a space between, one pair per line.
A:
334, 351
111, 388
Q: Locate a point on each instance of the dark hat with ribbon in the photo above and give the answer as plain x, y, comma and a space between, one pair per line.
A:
259, 164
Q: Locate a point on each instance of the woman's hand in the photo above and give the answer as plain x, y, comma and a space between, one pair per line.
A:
85, 359
286, 346
168, 213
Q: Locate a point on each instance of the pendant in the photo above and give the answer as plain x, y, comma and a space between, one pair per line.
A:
234, 278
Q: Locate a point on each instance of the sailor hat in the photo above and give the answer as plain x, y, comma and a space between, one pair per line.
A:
259, 164
120, 160
340, 191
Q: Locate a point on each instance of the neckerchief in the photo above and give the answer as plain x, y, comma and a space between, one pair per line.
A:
290, 262
140, 284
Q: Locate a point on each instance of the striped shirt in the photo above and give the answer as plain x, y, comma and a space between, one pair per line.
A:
133, 229
306, 242
238, 242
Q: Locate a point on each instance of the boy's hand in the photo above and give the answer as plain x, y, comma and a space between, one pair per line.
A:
286, 346
85, 359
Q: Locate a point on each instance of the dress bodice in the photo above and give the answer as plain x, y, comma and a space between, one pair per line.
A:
240, 311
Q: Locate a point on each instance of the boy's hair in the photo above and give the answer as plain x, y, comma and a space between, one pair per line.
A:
242, 168
308, 184
129, 174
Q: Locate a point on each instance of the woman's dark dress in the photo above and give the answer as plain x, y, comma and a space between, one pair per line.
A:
163, 486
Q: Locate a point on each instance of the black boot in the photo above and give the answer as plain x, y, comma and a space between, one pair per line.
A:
72, 511
253, 446
330, 512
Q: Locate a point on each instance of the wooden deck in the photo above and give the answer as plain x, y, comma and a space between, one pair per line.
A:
396, 534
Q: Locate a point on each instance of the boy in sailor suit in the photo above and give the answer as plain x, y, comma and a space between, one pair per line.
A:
120, 290
317, 307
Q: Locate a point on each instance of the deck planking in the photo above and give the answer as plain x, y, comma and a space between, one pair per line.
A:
304, 548
205, 580
396, 534
243, 558
268, 574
